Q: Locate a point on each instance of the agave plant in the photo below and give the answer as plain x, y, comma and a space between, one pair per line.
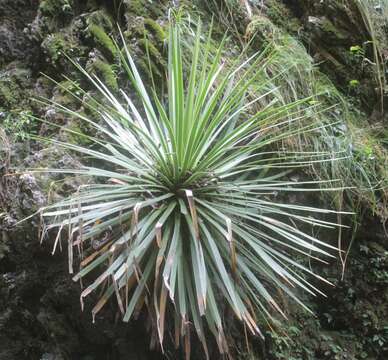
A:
186, 216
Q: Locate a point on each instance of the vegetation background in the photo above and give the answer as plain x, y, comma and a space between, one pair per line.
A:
338, 47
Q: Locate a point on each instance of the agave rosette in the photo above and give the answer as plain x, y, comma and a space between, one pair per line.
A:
187, 214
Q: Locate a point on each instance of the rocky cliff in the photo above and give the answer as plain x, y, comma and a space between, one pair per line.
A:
40, 315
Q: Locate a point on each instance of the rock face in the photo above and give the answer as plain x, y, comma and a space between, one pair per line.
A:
40, 315
14, 42
330, 29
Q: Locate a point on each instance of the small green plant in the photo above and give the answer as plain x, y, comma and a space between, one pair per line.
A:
189, 214
357, 50
354, 83
17, 124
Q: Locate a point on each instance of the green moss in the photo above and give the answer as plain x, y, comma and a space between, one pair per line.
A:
75, 133
106, 73
156, 30
144, 8
65, 86
157, 61
62, 96
150, 38
100, 25
281, 15
144, 65
8, 93
135, 7
14, 86
100, 18
153, 51
57, 44
102, 39
55, 7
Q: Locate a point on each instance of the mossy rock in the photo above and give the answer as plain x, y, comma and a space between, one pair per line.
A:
154, 28
155, 55
9, 93
100, 25
148, 27
15, 82
282, 16
76, 131
100, 18
145, 8
105, 72
146, 38
56, 8
56, 45
102, 39
49, 157
62, 94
